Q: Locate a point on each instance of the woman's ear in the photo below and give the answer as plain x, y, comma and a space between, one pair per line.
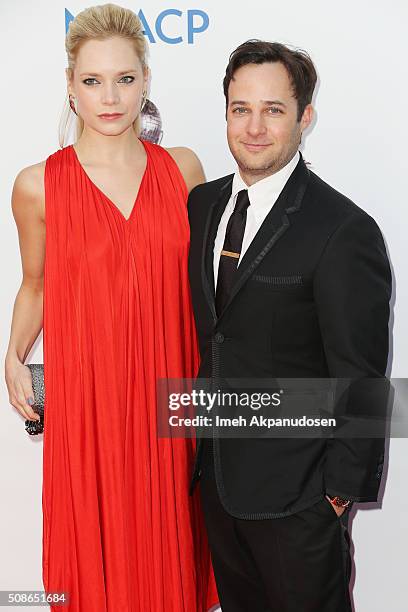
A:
146, 78
68, 76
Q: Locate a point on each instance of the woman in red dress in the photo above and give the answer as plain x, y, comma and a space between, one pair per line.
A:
104, 239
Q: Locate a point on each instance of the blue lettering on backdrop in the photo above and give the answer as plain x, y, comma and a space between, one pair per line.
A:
201, 28
146, 29
197, 22
68, 18
159, 29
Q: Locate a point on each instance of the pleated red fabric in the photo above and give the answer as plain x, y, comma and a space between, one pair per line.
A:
120, 532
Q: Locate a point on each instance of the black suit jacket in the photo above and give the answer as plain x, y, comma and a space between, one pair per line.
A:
311, 299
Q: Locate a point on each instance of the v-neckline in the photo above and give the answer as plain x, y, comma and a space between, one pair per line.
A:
107, 198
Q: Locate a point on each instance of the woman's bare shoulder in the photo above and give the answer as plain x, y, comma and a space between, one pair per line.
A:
189, 164
28, 191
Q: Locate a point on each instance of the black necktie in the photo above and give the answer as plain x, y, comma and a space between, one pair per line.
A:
231, 250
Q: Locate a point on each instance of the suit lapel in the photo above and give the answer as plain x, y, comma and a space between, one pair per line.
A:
275, 224
216, 209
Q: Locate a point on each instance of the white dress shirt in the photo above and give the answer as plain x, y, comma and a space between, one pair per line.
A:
262, 196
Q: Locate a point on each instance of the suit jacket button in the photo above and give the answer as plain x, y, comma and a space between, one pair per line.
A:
219, 337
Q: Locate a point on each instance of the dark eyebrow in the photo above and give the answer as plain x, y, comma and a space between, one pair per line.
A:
275, 102
94, 74
266, 102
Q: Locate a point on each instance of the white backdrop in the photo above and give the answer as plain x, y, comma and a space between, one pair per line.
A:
357, 144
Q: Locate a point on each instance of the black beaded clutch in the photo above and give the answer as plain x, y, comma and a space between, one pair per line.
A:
37, 378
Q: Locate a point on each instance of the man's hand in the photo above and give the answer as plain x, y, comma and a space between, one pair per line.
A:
339, 511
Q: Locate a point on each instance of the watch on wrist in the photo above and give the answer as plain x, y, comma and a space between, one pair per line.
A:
339, 501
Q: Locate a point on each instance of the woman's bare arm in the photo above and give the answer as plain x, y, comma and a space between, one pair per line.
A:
190, 166
28, 210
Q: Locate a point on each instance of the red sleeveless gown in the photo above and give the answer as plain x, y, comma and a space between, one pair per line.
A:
120, 532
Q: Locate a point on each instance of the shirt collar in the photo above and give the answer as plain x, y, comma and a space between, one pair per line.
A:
266, 191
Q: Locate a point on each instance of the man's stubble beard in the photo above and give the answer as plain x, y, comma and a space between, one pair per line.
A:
272, 165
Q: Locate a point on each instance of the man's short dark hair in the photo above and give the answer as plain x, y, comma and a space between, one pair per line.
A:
298, 64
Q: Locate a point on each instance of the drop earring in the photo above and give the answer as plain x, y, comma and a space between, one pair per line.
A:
72, 103
144, 98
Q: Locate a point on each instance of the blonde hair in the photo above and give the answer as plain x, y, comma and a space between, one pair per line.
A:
99, 23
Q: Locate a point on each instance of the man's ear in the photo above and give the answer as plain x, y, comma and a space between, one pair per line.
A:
307, 117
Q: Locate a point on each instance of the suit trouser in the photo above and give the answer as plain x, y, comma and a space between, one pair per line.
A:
296, 563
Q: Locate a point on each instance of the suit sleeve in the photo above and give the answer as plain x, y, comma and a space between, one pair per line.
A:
352, 288
192, 197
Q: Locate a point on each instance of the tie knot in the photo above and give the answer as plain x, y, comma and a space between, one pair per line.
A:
242, 201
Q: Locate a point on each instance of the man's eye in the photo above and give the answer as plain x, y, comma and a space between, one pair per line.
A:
239, 110
86, 81
275, 110
128, 77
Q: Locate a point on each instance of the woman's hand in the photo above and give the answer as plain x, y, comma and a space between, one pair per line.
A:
28, 205
19, 385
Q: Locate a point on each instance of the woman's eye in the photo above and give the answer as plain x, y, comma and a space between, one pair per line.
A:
92, 81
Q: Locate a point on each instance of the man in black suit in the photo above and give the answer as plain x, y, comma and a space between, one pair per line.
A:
289, 279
